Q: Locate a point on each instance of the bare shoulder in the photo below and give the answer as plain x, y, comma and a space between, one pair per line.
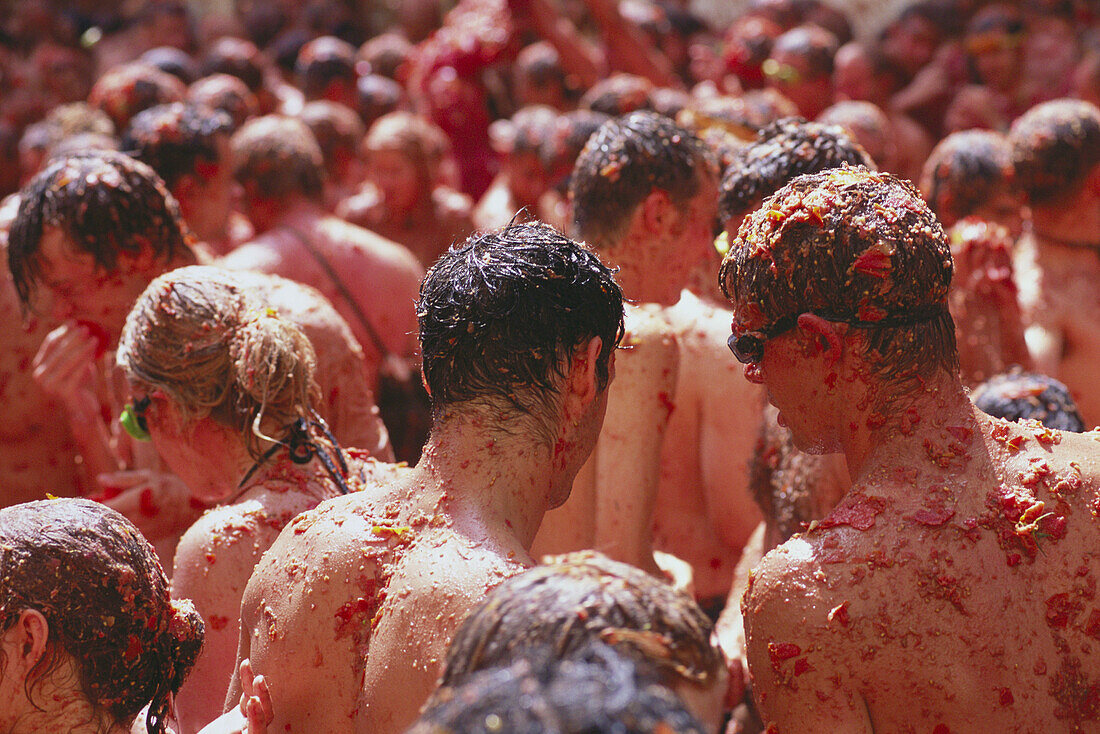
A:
219, 551
453, 206
649, 330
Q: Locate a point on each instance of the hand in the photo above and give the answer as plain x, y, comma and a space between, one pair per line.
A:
253, 714
256, 700
65, 367
158, 503
677, 571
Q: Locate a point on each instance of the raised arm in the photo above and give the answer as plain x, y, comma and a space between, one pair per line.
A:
627, 47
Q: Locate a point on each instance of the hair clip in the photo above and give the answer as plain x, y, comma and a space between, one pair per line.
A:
133, 419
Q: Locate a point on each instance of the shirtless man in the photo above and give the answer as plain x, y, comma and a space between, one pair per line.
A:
188, 147
359, 598
372, 281
644, 194
839, 284
92, 231
404, 196
1056, 149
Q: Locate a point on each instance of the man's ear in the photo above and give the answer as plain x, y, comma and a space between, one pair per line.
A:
825, 332
582, 385
25, 641
657, 211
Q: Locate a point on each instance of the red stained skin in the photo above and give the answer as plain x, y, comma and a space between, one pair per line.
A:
1006, 697
933, 516
859, 511
97, 332
146, 504
218, 622
780, 651
1061, 610
840, 614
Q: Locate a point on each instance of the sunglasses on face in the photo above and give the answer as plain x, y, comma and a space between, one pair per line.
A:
749, 347
133, 419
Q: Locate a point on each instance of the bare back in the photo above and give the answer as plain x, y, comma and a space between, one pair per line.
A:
382, 277
961, 599
349, 615
704, 512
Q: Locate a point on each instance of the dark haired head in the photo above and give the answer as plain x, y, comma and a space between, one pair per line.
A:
854, 246
597, 691
384, 55
338, 130
501, 315
236, 57
538, 72
783, 150
173, 61
583, 598
226, 93
1020, 396
867, 124
1055, 146
279, 156
623, 162
106, 203
128, 89
813, 44
178, 139
376, 96
619, 94
965, 172
322, 62
560, 149
99, 585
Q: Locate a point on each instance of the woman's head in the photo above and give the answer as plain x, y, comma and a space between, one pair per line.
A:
197, 338
404, 156
103, 596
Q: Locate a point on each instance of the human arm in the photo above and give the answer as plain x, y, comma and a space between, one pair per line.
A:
214, 560
628, 49
579, 57
730, 629
65, 369
628, 453
801, 647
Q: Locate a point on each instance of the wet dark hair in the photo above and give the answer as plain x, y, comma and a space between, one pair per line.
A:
236, 57
500, 314
323, 61
619, 94
783, 150
99, 585
127, 89
173, 61
1020, 395
964, 172
597, 691
280, 155
175, 139
582, 598
857, 246
623, 162
106, 203
1054, 146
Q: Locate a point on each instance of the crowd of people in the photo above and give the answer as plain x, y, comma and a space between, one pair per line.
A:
370, 368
